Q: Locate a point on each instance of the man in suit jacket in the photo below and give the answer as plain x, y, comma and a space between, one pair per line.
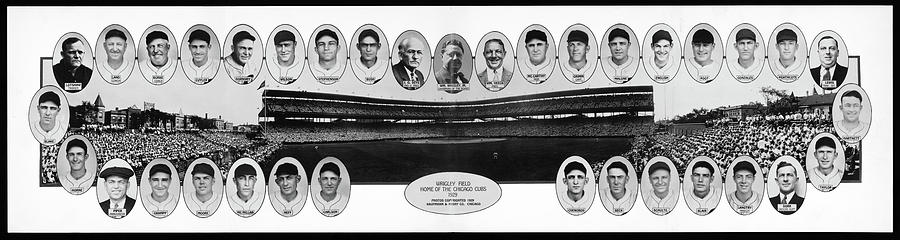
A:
786, 179
71, 75
829, 75
494, 53
406, 71
119, 203
451, 57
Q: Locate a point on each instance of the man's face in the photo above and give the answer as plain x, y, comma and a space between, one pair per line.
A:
828, 52
199, 50
701, 178
73, 54
537, 50
245, 185
76, 157
115, 47
745, 48
329, 182
287, 183
619, 48
158, 49
826, 156
703, 51
243, 50
787, 49
661, 50
203, 183
116, 187
412, 54
327, 47
617, 179
786, 178
47, 111
451, 55
494, 54
368, 48
850, 107
578, 50
744, 180
285, 50
159, 182
660, 181
575, 181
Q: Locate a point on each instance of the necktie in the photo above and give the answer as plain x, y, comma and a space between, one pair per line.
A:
827, 76
412, 76
783, 199
116, 206
496, 77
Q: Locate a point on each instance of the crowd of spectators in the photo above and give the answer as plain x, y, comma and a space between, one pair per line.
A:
351, 131
764, 138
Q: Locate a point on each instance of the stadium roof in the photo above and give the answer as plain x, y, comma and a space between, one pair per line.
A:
283, 103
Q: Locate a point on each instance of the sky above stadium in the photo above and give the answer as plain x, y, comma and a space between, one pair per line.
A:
241, 103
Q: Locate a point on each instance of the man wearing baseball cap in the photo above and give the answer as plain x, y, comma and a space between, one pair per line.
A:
619, 64
203, 201
160, 176
744, 200
747, 66
119, 203
245, 178
786, 44
703, 44
287, 201
578, 47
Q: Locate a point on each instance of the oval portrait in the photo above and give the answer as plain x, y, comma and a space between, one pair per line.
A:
116, 188
618, 185
851, 113
245, 187
76, 164
703, 53
536, 59
745, 52
284, 59
200, 54
621, 57
412, 66
48, 115
288, 186
203, 187
115, 54
786, 184
575, 185
787, 52
371, 57
744, 185
244, 52
828, 60
157, 54
662, 53
825, 161
453, 70
578, 58
73, 62
703, 185
327, 54
660, 185
160, 188
330, 187
494, 61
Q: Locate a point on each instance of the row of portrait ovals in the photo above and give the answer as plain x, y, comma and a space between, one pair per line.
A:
244, 52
